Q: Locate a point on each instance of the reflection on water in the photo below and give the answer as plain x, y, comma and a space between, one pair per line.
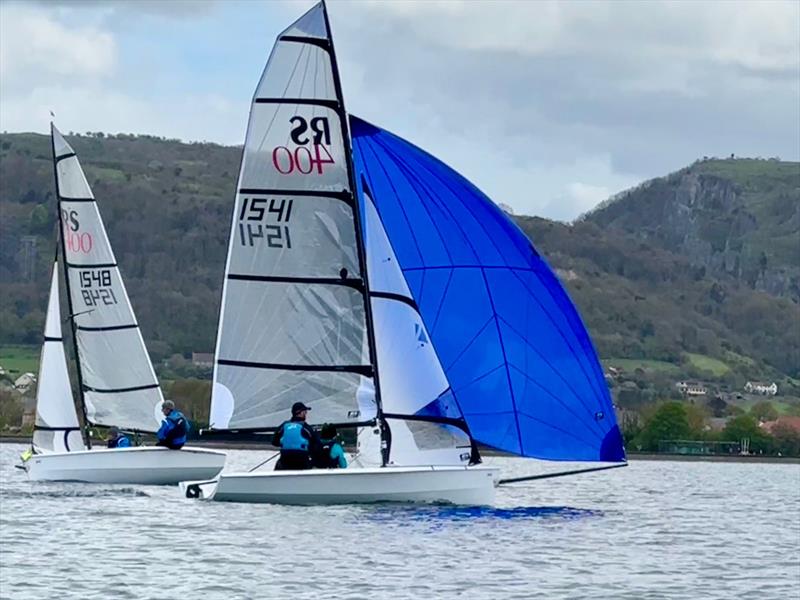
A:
654, 530
434, 513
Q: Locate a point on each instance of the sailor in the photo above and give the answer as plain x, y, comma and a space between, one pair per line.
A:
331, 454
174, 428
297, 440
117, 439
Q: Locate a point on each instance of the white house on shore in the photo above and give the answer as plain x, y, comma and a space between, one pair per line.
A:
691, 388
761, 387
25, 381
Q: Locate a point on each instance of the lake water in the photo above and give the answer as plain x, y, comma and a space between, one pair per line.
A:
652, 530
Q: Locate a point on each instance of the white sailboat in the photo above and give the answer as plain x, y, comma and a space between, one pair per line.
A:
320, 305
118, 385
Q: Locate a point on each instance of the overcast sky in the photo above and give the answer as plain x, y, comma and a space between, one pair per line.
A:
548, 107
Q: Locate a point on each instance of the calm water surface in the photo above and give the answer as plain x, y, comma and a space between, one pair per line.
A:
652, 530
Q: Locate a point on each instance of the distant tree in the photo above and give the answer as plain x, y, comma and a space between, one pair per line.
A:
746, 427
670, 422
786, 440
763, 411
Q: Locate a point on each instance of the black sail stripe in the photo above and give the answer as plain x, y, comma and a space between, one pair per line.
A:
92, 266
66, 199
319, 42
365, 370
334, 105
120, 390
53, 339
351, 282
47, 428
64, 157
108, 328
397, 297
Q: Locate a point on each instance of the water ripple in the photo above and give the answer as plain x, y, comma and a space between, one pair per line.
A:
653, 531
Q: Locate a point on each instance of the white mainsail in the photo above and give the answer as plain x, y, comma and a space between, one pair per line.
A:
293, 323
56, 428
119, 384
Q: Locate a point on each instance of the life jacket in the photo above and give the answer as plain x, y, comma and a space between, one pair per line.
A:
176, 436
293, 438
325, 460
119, 442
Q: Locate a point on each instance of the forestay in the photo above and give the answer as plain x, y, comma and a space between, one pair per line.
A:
56, 427
516, 355
293, 322
119, 385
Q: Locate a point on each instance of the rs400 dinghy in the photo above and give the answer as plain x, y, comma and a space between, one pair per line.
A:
116, 381
371, 282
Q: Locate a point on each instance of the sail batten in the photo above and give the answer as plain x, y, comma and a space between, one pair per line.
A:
117, 382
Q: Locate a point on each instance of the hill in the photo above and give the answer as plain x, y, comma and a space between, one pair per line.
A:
695, 273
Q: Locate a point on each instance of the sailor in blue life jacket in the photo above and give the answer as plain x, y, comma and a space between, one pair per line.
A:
174, 428
298, 442
117, 439
331, 454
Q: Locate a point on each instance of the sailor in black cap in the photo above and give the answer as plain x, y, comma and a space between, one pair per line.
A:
297, 440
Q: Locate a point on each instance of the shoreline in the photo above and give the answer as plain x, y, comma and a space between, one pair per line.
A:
632, 456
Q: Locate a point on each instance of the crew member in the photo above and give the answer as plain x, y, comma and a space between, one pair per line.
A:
297, 440
331, 454
117, 439
174, 428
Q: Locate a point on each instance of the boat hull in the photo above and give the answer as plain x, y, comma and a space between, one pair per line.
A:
454, 485
145, 465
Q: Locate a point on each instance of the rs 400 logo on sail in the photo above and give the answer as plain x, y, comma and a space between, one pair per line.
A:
312, 138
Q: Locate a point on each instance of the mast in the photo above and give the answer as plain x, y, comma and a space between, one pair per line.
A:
362, 255
86, 438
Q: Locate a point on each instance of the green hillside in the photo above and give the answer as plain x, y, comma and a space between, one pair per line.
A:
654, 273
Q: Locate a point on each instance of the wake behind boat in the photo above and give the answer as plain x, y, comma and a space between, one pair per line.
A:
115, 377
385, 291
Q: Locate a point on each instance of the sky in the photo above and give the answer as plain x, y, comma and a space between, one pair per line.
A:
548, 107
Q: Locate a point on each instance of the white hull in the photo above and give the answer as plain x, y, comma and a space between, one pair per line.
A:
455, 485
145, 465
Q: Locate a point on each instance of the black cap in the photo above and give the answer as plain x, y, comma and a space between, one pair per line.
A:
299, 407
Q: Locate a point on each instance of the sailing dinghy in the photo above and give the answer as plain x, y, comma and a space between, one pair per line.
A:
382, 289
116, 379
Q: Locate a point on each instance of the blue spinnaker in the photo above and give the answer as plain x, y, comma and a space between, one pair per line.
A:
516, 354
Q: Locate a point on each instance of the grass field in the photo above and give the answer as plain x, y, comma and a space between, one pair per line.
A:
707, 363
631, 364
17, 360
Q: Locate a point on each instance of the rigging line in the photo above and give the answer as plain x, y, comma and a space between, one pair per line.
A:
270, 459
535, 297
396, 198
560, 474
441, 302
283, 95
